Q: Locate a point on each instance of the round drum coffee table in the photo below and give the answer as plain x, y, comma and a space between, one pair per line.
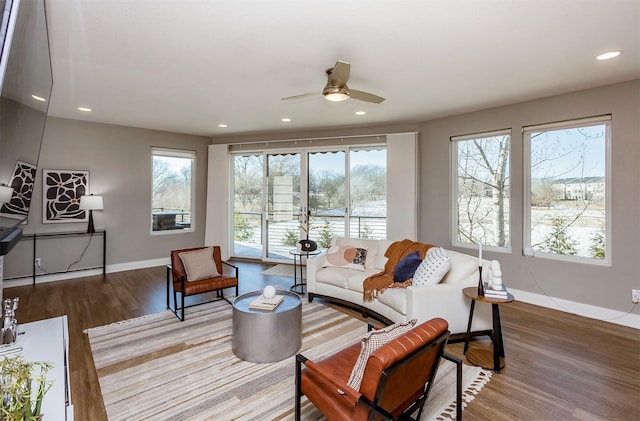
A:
265, 336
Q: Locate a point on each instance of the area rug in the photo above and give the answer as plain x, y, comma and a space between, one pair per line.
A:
283, 270
156, 367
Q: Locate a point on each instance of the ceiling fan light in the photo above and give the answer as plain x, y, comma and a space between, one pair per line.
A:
335, 93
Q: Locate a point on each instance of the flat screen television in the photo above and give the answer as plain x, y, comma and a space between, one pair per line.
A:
25, 84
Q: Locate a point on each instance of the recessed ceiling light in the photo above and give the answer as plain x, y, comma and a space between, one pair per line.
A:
85, 109
222, 125
608, 55
361, 112
286, 120
38, 98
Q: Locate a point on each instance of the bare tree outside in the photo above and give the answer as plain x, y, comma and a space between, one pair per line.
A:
171, 190
568, 191
483, 190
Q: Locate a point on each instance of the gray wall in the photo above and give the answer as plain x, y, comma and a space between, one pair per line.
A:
119, 161
608, 287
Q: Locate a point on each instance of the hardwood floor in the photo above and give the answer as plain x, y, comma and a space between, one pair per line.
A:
558, 366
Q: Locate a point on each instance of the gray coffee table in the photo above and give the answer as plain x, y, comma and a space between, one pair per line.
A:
265, 336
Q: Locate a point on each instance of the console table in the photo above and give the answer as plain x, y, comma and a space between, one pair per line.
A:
36, 236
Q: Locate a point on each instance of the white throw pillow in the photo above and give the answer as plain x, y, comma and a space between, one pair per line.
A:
435, 265
372, 341
346, 257
199, 264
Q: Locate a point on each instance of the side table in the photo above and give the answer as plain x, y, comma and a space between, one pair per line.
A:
298, 254
482, 357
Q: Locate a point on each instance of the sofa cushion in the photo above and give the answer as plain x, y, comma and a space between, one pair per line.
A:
199, 264
372, 341
406, 267
347, 257
364, 243
335, 276
356, 279
435, 265
462, 267
396, 298
381, 259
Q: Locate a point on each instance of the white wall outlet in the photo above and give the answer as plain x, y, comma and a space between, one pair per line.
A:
528, 251
635, 295
38, 261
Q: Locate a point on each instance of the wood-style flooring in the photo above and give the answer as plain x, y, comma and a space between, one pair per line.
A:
558, 366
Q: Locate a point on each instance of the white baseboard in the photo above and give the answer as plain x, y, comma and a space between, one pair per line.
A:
120, 267
580, 309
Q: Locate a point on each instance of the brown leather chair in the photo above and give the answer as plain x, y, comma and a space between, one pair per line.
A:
186, 288
396, 382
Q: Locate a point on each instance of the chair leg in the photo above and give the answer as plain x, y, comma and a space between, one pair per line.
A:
182, 307
458, 363
168, 275
300, 359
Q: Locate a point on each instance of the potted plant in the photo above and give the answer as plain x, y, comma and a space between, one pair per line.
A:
23, 384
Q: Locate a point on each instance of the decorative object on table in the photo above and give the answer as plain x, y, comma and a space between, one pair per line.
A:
21, 185
9, 321
91, 203
61, 193
480, 281
263, 303
495, 288
269, 292
307, 245
24, 385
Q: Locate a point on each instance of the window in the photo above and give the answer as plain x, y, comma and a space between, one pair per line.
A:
566, 203
481, 189
172, 190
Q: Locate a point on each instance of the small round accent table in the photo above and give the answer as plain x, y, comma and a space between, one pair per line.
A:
483, 357
298, 254
265, 336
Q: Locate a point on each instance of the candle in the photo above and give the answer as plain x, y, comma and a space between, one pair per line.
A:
480, 253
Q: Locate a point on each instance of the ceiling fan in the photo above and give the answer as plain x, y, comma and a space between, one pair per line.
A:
337, 89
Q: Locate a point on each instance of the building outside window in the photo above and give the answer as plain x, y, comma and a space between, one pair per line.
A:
567, 207
481, 193
172, 190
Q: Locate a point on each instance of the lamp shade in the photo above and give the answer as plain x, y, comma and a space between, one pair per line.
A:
5, 194
91, 202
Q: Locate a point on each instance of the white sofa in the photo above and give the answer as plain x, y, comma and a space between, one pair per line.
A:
444, 299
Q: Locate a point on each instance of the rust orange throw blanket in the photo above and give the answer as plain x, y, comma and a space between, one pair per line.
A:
394, 253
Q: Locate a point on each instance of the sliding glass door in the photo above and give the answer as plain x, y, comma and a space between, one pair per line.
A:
282, 197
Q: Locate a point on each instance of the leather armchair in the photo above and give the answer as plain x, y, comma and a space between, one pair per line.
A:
396, 383
177, 278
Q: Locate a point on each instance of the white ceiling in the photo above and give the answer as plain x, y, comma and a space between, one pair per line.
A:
188, 65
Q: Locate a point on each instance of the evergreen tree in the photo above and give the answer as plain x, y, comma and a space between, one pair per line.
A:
559, 241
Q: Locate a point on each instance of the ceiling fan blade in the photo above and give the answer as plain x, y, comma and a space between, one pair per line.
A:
299, 96
366, 96
339, 75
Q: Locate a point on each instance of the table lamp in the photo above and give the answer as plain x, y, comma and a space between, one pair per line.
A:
91, 203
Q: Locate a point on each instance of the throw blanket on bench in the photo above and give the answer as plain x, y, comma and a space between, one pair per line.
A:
396, 252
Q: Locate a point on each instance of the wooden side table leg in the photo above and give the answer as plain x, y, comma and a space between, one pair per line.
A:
466, 340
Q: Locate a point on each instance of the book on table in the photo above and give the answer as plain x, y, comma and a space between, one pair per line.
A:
263, 303
496, 292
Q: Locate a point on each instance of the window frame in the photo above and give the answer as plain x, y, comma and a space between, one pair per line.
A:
528, 250
453, 188
175, 153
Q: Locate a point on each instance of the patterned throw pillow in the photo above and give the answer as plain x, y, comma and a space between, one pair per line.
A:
199, 264
406, 267
372, 341
435, 265
346, 257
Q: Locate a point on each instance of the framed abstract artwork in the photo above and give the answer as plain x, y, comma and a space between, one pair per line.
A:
61, 192
22, 181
